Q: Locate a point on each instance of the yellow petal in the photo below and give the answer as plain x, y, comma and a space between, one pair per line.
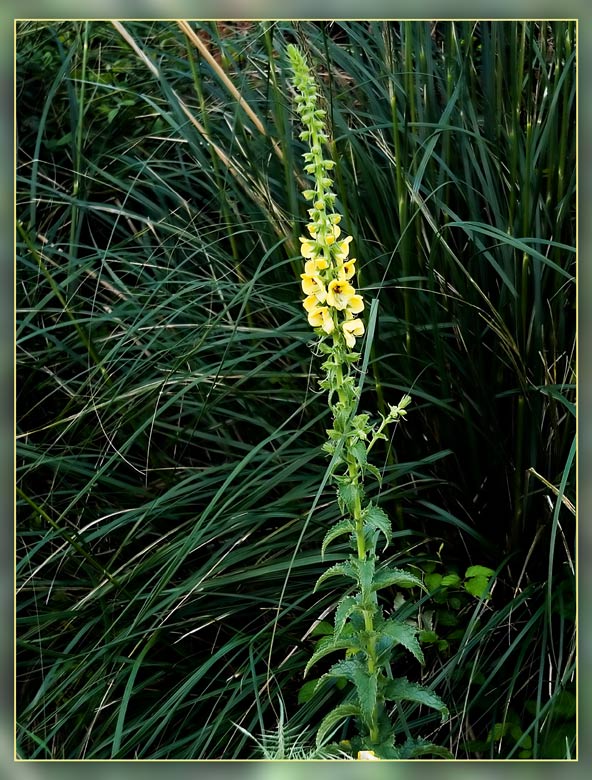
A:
367, 755
310, 302
343, 248
347, 270
312, 267
351, 329
339, 292
355, 304
319, 317
312, 285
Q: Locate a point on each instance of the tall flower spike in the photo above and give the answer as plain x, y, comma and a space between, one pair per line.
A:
327, 275
332, 305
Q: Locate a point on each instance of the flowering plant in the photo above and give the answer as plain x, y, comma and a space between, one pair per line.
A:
362, 631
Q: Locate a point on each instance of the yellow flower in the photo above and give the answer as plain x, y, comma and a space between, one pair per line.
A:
332, 235
355, 305
343, 248
320, 317
351, 329
339, 293
311, 267
312, 285
310, 302
348, 269
367, 755
308, 248
312, 228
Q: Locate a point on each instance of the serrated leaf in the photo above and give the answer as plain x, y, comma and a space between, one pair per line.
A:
360, 421
341, 420
479, 571
344, 609
478, 587
359, 452
403, 634
342, 527
330, 644
376, 519
390, 576
333, 718
371, 468
413, 748
344, 569
350, 495
366, 684
365, 571
403, 690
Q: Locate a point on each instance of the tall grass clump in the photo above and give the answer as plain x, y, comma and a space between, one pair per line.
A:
169, 420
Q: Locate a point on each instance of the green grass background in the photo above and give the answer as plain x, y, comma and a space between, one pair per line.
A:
582, 313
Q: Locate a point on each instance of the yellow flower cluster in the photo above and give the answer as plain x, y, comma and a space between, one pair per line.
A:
326, 278
331, 300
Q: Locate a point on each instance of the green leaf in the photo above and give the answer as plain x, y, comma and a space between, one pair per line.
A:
345, 569
498, 731
333, 718
564, 705
403, 634
360, 423
323, 628
390, 576
433, 581
447, 618
359, 452
344, 609
450, 580
414, 748
365, 573
428, 637
371, 469
307, 691
350, 494
366, 684
403, 690
330, 645
478, 586
342, 527
377, 520
479, 571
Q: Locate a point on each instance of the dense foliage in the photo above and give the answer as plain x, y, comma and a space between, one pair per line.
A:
169, 421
